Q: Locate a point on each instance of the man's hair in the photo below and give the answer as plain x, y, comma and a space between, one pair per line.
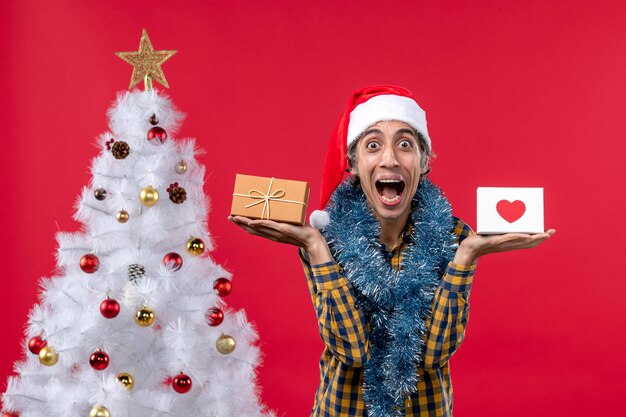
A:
425, 153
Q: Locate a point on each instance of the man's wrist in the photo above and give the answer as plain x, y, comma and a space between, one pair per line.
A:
465, 256
318, 250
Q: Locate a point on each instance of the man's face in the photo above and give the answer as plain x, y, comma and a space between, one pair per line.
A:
388, 165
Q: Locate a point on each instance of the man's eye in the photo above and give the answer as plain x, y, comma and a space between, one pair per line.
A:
406, 144
372, 145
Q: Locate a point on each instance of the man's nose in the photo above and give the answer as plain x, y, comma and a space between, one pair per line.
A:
388, 158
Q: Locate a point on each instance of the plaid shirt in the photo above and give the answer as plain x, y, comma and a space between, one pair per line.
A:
343, 328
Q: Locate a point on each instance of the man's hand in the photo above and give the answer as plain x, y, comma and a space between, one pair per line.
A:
475, 246
307, 236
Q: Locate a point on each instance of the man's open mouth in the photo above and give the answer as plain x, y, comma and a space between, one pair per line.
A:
390, 190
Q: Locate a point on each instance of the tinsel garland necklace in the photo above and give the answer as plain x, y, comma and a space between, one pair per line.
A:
396, 303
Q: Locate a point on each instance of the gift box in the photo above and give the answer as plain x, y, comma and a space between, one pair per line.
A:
270, 199
509, 210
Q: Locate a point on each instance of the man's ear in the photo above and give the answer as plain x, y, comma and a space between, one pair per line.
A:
351, 169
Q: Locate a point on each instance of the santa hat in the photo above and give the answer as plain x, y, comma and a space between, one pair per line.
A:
367, 106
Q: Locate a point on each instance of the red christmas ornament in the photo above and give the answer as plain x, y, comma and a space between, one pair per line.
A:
174, 260
89, 263
223, 286
214, 316
36, 344
181, 383
157, 135
99, 360
110, 308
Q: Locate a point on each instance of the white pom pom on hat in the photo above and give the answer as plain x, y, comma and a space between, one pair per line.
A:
367, 106
319, 219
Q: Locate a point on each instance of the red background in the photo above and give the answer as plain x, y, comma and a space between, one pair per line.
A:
517, 93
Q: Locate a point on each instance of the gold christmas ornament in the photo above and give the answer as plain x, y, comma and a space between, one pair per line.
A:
225, 344
126, 380
195, 246
181, 167
146, 63
99, 411
144, 317
48, 356
122, 216
149, 196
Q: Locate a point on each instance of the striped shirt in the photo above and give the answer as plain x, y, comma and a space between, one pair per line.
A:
343, 329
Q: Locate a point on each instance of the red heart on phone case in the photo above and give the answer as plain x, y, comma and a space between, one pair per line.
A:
511, 211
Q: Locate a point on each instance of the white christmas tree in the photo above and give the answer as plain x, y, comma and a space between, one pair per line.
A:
134, 323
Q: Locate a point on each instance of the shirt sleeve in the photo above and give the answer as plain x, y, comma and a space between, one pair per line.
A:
446, 329
341, 323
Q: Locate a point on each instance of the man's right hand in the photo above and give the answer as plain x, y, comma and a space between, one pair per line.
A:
306, 237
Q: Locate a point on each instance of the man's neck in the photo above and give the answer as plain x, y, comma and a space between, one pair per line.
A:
390, 230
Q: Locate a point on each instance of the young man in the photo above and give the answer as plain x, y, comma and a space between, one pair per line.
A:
388, 266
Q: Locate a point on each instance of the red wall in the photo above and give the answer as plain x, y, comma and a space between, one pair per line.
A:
526, 93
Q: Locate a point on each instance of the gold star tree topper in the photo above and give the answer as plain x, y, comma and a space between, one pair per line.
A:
146, 63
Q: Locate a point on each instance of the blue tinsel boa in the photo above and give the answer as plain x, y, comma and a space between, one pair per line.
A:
396, 303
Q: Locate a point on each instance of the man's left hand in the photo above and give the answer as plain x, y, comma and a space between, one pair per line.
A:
475, 246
